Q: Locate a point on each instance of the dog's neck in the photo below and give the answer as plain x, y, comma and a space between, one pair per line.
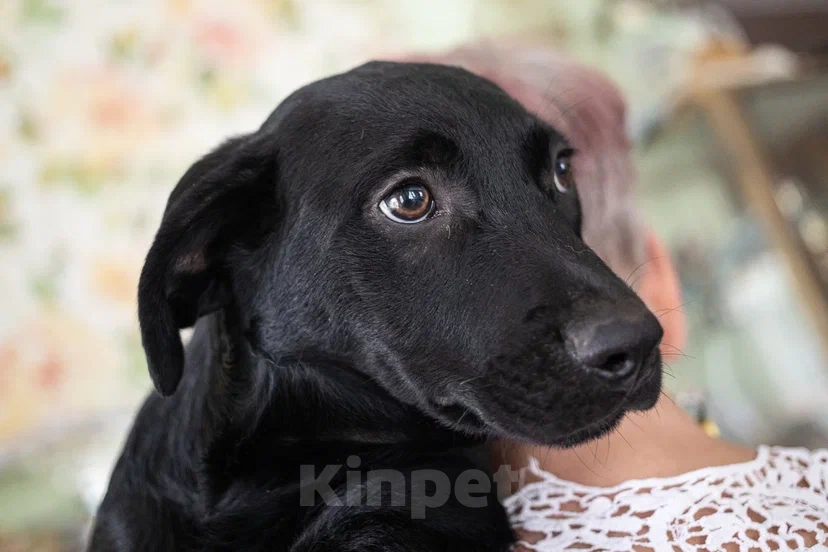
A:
257, 412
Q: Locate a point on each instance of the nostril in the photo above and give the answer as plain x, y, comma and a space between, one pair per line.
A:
617, 365
613, 345
616, 359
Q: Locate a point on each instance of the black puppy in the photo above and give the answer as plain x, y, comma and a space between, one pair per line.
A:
384, 275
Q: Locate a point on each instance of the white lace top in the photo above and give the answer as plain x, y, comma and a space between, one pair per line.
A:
778, 501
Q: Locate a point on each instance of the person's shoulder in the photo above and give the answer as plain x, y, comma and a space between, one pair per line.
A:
808, 467
797, 459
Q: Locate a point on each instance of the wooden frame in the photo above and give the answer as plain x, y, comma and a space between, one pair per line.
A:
755, 178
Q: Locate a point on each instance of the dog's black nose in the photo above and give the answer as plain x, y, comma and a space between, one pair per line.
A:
614, 342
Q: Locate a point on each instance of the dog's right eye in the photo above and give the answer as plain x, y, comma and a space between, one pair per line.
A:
408, 204
564, 180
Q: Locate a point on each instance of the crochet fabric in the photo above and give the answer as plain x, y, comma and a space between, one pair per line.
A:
778, 501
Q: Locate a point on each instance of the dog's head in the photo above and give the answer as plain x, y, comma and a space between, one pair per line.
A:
417, 223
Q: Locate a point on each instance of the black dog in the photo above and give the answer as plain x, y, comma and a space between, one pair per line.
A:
384, 275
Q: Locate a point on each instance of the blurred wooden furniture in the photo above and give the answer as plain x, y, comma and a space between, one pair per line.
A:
762, 181
735, 177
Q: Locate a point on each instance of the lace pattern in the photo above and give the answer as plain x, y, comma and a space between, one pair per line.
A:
778, 501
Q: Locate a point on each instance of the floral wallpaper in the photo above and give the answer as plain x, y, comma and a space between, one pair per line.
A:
103, 105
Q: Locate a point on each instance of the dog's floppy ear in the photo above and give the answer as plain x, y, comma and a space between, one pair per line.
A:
217, 205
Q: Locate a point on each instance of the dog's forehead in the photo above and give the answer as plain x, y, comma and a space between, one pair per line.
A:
442, 82
391, 98
383, 117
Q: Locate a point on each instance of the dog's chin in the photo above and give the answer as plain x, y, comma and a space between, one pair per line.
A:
589, 433
644, 396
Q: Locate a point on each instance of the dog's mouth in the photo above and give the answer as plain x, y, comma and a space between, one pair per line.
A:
643, 396
647, 387
536, 424
460, 416
469, 420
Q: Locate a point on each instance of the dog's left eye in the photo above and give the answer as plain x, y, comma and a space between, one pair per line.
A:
408, 204
564, 180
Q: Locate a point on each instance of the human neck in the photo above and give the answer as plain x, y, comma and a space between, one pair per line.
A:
662, 442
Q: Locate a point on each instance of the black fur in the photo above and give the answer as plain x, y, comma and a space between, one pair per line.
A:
325, 330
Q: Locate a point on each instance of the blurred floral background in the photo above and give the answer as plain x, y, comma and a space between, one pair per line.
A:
104, 104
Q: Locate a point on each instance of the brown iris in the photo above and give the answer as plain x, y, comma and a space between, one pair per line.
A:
408, 204
564, 179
